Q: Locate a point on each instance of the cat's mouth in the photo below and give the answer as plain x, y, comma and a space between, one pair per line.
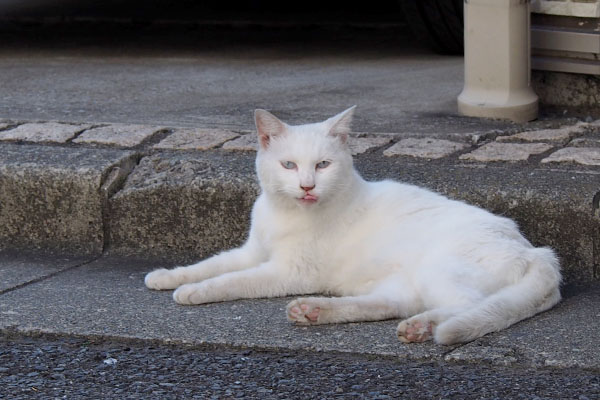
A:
308, 198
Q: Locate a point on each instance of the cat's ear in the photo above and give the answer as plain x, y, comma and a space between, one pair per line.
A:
339, 125
267, 127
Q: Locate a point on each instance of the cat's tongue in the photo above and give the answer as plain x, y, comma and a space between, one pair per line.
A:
309, 198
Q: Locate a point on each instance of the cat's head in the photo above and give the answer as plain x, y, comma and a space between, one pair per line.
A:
305, 165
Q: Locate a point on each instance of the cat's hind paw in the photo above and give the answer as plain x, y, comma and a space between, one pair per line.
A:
302, 312
161, 279
415, 330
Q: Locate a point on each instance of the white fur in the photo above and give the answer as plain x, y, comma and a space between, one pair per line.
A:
383, 249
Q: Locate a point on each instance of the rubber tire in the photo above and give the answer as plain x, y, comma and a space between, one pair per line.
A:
437, 22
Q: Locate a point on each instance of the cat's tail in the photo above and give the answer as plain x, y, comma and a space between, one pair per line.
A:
536, 291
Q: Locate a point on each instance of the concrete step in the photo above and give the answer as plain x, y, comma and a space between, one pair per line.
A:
105, 297
184, 194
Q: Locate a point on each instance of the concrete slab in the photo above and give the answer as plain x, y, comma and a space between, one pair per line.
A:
186, 206
108, 298
52, 197
564, 337
215, 79
553, 206
183, 205
18, 268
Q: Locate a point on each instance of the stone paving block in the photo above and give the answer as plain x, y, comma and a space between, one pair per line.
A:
359, 145
54, 197
585, 142
424, 148
247, 142
44, 132
560, 135
506, 151
185, 205
195, 139
123, 135
579, 155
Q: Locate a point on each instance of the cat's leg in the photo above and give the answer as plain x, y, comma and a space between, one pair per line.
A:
328, 310
250, 255
444, 294
266, 280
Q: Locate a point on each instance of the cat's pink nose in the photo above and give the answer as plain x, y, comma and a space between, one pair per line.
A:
307, 188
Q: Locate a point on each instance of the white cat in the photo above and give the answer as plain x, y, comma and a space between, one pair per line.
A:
384, 249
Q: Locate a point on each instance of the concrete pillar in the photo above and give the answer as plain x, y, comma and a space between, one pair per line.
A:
497, 61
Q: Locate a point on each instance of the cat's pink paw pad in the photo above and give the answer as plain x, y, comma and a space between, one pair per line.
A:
410, 331
302, 313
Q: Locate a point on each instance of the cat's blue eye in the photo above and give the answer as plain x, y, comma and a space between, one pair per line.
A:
323, 164
288, 164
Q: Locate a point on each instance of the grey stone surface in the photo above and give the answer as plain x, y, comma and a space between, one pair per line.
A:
247, 142
195, 139
398, 86
424, 148
560, 135
107, 298
20, 268
579, 155
358, 143
553, 206
585, 142
564, 337
123, 135
577, 92
184, 205
361, 144
52, 197
43, 132
506, 151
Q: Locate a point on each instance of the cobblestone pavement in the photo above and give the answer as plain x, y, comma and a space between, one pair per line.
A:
578, 143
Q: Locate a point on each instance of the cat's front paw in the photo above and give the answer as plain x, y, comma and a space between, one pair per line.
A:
415, 330
161, 279
303, 312
189, 294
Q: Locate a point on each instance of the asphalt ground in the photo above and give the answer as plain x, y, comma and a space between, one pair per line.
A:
215, 73
42, 367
